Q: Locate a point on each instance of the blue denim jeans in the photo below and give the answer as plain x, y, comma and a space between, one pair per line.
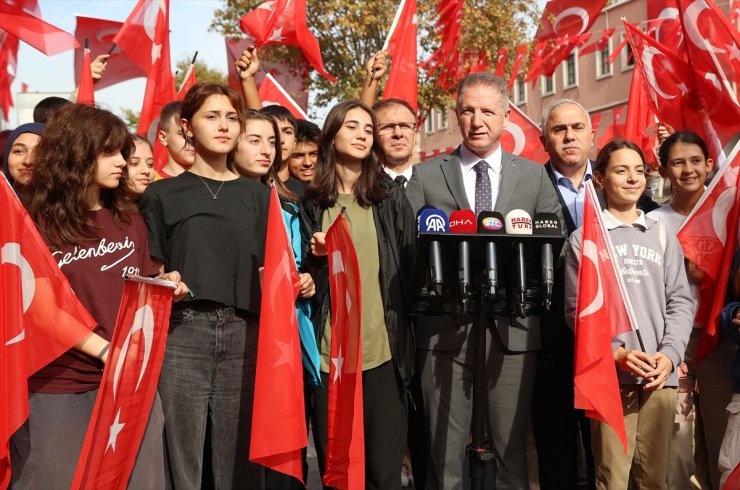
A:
207, 382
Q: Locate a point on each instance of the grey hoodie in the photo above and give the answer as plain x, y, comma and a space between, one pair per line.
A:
652, 268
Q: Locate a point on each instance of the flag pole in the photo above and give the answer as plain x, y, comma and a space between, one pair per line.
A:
391, 31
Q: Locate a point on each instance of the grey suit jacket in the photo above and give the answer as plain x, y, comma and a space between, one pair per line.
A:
524, 185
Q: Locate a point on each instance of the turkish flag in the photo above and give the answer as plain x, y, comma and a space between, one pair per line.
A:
521, 52
615, 130
521, 136
100, 33
188, 82
733, 481
640, 116
665, 26
8, 63
86, 91
278, 383
16, 19
401, 44
449, 25
128, 387
713, 54
345, 454
709, 238
602, 312
599, 44
145, 38
40, 317
501, 62
284, 22
272, 93
234, 49
568, 17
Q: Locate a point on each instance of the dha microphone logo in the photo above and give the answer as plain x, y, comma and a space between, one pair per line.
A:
435, 223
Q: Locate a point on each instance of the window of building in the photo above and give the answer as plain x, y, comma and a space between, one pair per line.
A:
570, 71
441, 119
548, 85
520, 92
603, 67
429, 122
627, 57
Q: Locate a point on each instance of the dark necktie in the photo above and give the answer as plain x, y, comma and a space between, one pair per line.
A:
483, 196
401, 181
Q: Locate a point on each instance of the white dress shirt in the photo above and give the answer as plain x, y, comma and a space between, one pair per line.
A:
468, 160
406, 173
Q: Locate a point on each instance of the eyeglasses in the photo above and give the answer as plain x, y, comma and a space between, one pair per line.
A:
389, 128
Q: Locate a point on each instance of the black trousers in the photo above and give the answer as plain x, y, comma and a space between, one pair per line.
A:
385, 417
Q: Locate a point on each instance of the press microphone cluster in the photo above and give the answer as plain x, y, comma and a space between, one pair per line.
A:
516, 223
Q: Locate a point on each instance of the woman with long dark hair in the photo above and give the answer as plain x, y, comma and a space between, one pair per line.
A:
80, 207
210, 224
349, 176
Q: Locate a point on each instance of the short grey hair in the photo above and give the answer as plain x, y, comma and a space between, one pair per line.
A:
557, 103
486, 79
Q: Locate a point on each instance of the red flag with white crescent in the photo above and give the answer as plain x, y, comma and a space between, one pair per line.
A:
23, 20
271, 92
128, 387
401, 44
602, 312
521, 137
40, 316
278, 382
345, 455
188, 82
86, 90
709, 238
568, 18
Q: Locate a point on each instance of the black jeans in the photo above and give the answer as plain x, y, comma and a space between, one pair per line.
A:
207, 379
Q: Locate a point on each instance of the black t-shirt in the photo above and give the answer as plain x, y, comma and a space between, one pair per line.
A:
295, 186
217, 245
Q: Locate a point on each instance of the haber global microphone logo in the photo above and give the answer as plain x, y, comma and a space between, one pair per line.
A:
435, 223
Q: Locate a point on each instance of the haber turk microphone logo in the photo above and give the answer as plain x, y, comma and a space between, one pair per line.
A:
435, 223
518, 222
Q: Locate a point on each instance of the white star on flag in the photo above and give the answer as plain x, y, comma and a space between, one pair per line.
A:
156, 52
338, 362
114, 430
734, 52
286, 351
277, 35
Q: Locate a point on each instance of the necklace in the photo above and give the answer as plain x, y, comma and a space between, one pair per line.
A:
215, 195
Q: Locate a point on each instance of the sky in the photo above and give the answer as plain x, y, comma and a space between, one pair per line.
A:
189, 32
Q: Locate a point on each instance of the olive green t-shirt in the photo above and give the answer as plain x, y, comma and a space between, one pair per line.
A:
375, 347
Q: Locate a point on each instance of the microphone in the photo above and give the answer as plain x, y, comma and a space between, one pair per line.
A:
547, 224
433, 220
491, 223
519, 222
463, 221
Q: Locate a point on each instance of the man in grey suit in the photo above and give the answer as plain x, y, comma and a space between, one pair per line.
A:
479, 175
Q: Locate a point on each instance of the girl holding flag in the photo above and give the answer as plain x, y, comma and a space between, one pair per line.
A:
382, 226
651, 264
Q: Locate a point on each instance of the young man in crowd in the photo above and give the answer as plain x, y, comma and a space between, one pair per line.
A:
302, 164
180, 155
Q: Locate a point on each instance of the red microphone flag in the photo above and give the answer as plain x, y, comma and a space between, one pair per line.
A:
40, 316
345, 455
86, 91
401, 44
709, 238
284, 22
602, 312
278, 384
128, 387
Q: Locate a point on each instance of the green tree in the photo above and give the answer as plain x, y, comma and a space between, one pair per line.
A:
350, 32
131, 118
202, 72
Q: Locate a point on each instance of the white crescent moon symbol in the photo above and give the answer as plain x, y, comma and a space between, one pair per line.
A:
591, 252
572, 11
720, 211
144, 321
11, 254
713, 78
647, 60
519, 140
337, 264
690, 25
666, 13
150, 17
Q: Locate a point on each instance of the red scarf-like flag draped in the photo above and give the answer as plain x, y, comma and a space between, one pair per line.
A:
40, 316
86, 91
278, 384
128, 387
345, 458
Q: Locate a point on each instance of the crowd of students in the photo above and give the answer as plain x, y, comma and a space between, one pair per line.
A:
200, 221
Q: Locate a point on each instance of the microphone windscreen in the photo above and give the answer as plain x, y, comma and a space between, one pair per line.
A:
518, 222
546, 224
490, 222
433, 221
462, 221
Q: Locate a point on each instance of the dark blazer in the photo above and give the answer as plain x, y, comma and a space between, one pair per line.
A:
524, 185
